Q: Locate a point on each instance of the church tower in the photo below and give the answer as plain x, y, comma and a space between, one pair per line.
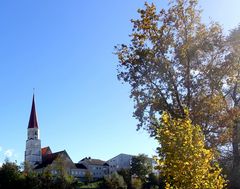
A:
33, 153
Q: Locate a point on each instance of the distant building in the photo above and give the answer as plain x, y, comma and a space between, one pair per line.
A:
55, 161
121, 161
79, 172
124, 161
97, 167
43, 158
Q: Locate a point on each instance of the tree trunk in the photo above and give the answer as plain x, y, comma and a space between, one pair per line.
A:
235, 175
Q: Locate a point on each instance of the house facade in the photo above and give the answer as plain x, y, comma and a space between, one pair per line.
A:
96, 167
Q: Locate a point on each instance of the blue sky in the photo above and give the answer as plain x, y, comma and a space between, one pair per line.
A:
64, 49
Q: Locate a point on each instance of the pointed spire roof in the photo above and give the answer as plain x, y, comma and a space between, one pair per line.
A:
33, 123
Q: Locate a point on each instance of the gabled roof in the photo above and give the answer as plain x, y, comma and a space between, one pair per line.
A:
121, 155
49, 158
80, 166
90, 161
33, 123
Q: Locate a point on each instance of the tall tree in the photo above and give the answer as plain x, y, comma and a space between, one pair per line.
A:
183, 158
232, 92
176, 61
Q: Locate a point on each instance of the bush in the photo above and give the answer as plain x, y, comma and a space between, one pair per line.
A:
113, 181
136, 183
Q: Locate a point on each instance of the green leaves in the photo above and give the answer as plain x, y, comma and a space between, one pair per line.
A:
141, 166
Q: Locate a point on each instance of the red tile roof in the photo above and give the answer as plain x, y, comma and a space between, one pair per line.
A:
46, 151
33, 123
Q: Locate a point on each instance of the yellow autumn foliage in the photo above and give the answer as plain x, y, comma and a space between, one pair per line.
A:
183, 159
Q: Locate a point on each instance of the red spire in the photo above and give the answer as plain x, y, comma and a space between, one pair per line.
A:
33, 123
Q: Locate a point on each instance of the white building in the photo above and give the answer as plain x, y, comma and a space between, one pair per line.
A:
33, 153
79, 172
121, 161
96, 167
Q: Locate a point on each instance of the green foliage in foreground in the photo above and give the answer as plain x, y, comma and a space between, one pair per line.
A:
92, 185
113, 181
11, 177
141, 166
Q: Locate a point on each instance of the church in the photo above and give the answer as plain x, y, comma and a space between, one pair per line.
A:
40, 158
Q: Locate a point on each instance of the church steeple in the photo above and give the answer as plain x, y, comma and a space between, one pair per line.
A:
33, 154
33, 123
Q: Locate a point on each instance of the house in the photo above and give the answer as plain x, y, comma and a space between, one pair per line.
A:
55, 162
96, 167
79, 171
124, 161
121, 161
